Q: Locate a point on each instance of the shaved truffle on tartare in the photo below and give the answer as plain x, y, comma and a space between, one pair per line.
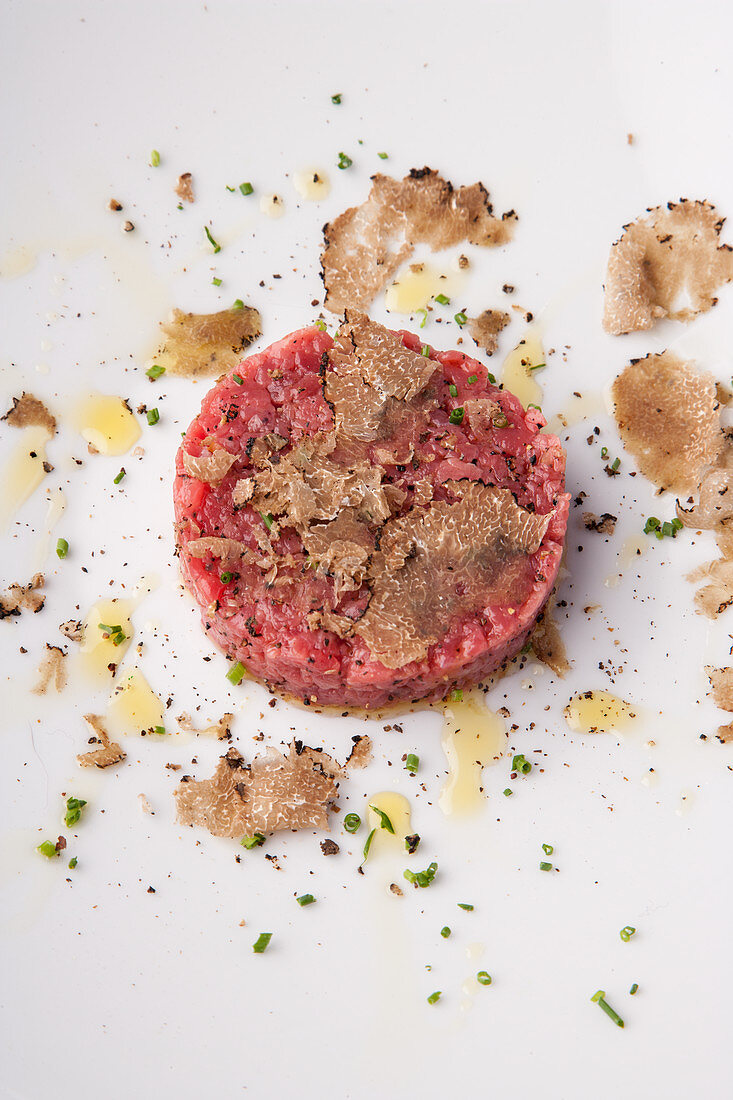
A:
372, 540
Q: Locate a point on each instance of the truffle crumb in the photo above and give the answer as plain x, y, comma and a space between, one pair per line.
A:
485, 328
23, 597
28, 411
604, 524
73, 630
184, 187
108, 753
221, 729
330, 848
547, 644
51, 671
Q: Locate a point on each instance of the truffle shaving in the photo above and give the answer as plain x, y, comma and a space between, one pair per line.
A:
207, 343
28, 412
547, 644
210, 467
218, 548
670, 256
440, 563
485, 328
221, 729
361, 754
23, 597
272, 793
108, 753
669, 420
51, 671
184, 187
721, 681
73, 630
366, 244
374, 382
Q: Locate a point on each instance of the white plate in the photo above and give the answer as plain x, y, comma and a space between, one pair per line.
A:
109, 990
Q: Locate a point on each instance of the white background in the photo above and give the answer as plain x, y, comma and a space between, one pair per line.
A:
108, 990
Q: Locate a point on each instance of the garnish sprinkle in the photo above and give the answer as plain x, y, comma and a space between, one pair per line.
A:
445, 932
412, 763
344, 161
246, 188
305, 899
216, 282
384, 819
238, 304
422, 878
62, 548
548, 849
114, 634
627, 932
634, 988
235, 675
368, 843
72, 863
48, 849
545, 866
442, 300
238, 379
120, 475
460, 319
352, 823
456, 416
434, 997
74, 806
156, 370
336, 98
424, 316
261, 943
521, 764
412, 843
600, 999
154, 159
483, 977
254, 841
153, 416
212, 242
465, 905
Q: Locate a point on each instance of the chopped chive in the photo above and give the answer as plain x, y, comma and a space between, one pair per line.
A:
160, 730
113, 634
226, 578
74, 806
538, 366
412, 843
212, 242
545, 866
368, 844
254, 841
434, 997
499, 421
344, 161
47, 849
230, 188
216, 282
238, 379
238, 304
460, 319
600, 1000
156, 370
180, 206
62, 548
442, 300
616, 463
305, 899
425, 350
235, 675
456, 696
336, 98
384, 819
547, 849
456, 416
483, 977
72, 863
421, 878
154, 159
412, 763
634, 988
267, 520
352, 823
491, 379
472, 379
445, 932
508, 791
465, 905
153, 416
261, 943
521, 764
383, 156
538, 407
424, 316
246, 188
604, 453
321, 325
453, 390
627, 932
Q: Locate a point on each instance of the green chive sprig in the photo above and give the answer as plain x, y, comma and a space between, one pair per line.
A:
422, 878
214, 244
254, 841
384, 821
235, 675
262, 943
483, 978
352, 823
155, 371
412, 763
74, 807
344, 161
62, 548
627, 932
600, 999
434, 997
521, 764
305, 899
153, 416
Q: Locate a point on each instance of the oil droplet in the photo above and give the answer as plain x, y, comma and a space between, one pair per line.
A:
312, 184
54, 512
134, 707
473, 737
517, 375
632, 549
577, 409
272, 205
18, 261
598, 712
97, 652
397, 809
23, 472
107, 423
417, 286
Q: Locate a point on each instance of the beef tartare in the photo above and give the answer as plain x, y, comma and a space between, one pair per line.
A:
364, 519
